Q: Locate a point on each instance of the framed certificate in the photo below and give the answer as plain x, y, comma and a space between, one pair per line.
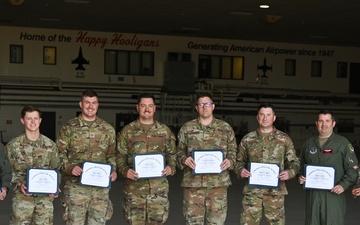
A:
42, 181
149, 165
264, 175
96, 174
319, 177
207, 161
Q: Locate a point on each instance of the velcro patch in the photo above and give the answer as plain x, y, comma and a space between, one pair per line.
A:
351, 160
327, 151
351, 148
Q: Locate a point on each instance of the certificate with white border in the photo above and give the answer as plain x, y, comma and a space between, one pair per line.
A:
264, 175
42, 181
319, 177
207, 161
96, 174
149, 165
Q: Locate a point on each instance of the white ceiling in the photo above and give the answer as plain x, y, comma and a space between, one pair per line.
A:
330, 22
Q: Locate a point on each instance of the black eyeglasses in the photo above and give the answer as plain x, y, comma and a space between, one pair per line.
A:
207, 104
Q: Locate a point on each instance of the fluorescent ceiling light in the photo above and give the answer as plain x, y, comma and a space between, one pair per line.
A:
16, 2
264, 6
49, 19
241, 13
78, 1
318, 37
191, 28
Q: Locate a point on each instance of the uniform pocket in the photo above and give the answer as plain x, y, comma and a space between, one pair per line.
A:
109, 211
65, 210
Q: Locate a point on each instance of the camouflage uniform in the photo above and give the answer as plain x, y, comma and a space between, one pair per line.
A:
145, 200
205, 195
276, 147
357, 183
5, 169
323, 206
23, 154
79, 141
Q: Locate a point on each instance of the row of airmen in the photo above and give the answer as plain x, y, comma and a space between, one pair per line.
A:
327, 163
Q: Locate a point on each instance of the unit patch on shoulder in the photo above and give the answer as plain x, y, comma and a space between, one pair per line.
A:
313, 150
351, 148
351, 160
328, 151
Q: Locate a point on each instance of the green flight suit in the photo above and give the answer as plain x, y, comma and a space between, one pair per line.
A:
5, 168
323, 206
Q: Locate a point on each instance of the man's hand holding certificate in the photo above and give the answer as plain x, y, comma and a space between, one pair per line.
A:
149, 165
319, 177
42, 181
96, 174
264, 175
207, 161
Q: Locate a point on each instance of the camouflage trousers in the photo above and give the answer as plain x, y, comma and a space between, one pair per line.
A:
31, 210
149, 209
253, 206
85, 203
205, 205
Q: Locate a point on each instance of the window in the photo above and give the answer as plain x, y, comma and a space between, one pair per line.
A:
316, 68
238, 68
49, 55
290, 67
342, 69
175, 56
129, 62
16, 54
221, 67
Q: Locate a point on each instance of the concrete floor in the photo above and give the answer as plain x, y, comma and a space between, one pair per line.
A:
295, 204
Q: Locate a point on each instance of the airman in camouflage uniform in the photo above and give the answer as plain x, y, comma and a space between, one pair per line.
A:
89, 138
145, 200
31, 150
205, 195
356, 188
5, 173
266, 145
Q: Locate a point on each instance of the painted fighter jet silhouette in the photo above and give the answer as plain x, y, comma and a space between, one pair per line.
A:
264, 68
80, 60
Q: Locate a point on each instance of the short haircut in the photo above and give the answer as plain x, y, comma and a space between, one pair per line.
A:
326, 111
145, 95
30, 108
89, 93
266, 105
203, 95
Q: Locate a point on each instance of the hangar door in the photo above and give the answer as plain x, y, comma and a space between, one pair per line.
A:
48, 125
